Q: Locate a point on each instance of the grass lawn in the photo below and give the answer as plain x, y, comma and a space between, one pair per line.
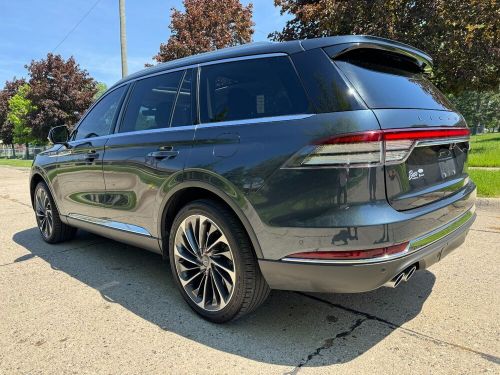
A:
485, 150
488, 182
16, 162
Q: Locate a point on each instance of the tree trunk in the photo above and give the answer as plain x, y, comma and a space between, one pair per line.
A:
13, 151
27, 151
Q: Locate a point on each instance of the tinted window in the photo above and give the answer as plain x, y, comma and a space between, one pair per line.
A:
184, 106
250, 89
101, 119
388, 83
326, 88
151, 102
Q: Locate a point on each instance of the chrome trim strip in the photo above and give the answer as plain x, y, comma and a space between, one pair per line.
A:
212, 124
258, 120
130, 228
242, 58
442, 141
191, 66
413, 246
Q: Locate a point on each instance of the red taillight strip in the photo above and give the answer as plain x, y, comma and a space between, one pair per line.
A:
422, 134
369, 136
353, 254
395, 134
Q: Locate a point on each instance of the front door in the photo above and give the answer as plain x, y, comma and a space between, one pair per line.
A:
78, 181
148, 153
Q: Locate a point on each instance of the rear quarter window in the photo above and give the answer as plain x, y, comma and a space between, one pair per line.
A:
248, 89
384, 82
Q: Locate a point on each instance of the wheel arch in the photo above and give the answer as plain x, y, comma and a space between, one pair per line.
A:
190, 191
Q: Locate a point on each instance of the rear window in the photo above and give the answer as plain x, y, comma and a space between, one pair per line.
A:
386, 80
249, 89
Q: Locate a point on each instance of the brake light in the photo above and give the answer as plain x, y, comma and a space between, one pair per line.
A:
375, 147
352, 254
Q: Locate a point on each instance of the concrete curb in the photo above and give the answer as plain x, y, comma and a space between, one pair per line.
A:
488, 203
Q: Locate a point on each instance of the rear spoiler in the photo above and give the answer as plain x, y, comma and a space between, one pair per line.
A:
339, 45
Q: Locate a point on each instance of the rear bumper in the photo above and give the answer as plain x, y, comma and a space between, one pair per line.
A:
344, 277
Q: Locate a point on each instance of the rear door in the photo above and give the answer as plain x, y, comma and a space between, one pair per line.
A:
147, 153
78, 181
426, 159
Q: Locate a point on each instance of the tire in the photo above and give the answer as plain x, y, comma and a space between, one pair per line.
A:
52, 229
227, 245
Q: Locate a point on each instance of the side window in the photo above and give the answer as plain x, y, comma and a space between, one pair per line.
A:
184, 112
250, 89
151, 102
101, 119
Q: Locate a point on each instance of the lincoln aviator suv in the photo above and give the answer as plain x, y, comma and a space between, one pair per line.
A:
322, 165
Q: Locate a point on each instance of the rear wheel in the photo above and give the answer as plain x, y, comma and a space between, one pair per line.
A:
52, 229
213, 262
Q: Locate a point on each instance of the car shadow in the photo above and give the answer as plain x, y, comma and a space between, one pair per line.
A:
287, 330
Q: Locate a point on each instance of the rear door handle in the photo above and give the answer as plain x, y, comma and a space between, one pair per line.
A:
166, 152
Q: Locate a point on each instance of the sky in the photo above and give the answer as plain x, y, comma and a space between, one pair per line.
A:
29, 29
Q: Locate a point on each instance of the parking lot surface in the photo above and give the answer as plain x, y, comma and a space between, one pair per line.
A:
95, 306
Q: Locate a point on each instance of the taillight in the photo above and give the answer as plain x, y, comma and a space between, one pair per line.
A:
373, 148
379, 252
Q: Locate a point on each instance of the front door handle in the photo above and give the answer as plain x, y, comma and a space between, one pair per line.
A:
166, 152
91, 155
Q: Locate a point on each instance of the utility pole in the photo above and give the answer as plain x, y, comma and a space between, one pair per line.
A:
123, 38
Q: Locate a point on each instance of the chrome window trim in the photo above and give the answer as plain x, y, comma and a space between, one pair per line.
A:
413, 246
243, 58
117, 225
196, 67
212, 124
258, 120
212, 62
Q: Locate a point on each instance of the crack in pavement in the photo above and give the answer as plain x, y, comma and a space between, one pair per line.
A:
8, 198
366, 317
327, 343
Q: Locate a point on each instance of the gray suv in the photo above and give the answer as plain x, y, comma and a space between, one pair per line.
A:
322, 165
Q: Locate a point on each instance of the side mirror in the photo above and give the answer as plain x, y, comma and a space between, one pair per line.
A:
59, 135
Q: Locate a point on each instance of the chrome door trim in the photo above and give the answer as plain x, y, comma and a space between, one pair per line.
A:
117, 225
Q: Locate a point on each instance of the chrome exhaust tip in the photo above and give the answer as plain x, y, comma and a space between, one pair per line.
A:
410, 272
396, 280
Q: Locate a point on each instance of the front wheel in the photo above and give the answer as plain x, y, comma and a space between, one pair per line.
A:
52, 229
213, 262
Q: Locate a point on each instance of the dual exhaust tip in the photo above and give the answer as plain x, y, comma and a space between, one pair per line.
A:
403, 276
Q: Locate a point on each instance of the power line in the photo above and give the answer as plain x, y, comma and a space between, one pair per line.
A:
76, 26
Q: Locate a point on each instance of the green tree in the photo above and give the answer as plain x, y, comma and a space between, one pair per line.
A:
206, 25
101, 89
9, 90
479, 108
20, 107
461, 35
